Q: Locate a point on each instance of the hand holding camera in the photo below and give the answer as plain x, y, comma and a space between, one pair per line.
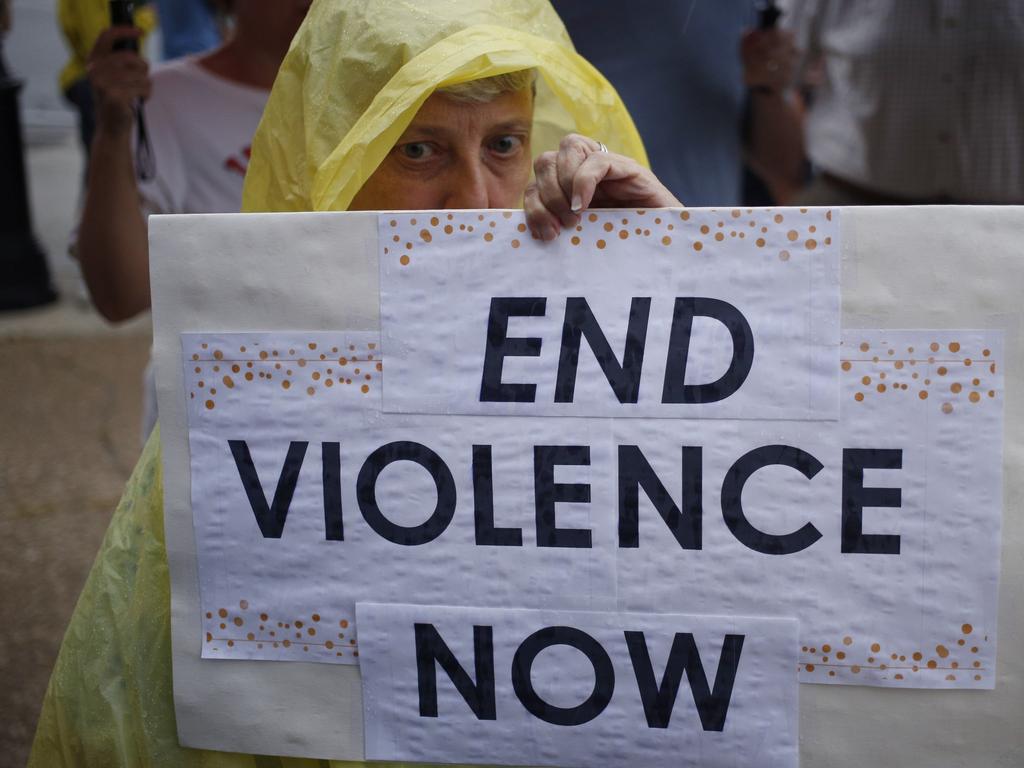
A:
119, 77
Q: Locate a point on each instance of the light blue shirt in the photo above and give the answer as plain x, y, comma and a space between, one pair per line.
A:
187, 26
677, 67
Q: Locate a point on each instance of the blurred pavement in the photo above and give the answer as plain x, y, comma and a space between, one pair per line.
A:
70, 402
70, 399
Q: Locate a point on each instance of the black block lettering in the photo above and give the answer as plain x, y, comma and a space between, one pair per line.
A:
604, 676
431, 650
483, 504
856, 497
500, 346
635, 472
580, 322
659, 698
732, 505
333, 522
547, 493
366, 493
675, 390
270, 518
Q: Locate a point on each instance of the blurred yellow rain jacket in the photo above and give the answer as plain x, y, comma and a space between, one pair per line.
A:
352, 81
81, 21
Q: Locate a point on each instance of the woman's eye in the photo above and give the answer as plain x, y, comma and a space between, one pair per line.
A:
506, 145
416, 150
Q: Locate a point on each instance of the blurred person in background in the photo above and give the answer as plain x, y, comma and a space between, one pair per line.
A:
187, 27
201, 113
81, 23
708, 90
919, 102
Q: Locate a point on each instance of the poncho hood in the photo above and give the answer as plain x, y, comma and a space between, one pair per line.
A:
357, 73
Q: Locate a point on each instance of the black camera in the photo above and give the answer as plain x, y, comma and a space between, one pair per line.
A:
122, 13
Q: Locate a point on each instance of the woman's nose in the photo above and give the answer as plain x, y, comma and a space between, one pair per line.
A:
469, 186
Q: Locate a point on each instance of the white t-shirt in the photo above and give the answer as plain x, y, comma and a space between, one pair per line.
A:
200, 128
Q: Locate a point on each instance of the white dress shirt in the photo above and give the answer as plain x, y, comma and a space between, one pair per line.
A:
921, 99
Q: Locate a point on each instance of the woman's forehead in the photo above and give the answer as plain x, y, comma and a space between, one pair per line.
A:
442, 115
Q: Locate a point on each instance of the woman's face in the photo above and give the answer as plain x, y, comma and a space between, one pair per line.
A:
456, 154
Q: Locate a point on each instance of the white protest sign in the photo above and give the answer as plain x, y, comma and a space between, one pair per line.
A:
516, 687
659, 313
308, 499
281, 279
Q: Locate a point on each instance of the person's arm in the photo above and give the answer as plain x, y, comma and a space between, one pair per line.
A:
775, 139
112, 242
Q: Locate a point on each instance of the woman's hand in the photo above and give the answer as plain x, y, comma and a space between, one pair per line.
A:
583, 174
118, 79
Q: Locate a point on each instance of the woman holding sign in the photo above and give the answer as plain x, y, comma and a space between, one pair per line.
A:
454, 126
377, 106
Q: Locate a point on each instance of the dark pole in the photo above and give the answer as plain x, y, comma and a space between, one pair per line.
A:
24, 276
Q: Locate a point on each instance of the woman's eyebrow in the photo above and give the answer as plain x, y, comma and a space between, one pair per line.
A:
523, 126
430, 131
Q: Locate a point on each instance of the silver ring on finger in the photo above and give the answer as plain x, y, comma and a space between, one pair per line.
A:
601, 147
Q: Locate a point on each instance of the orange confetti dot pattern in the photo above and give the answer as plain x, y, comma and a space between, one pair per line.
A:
782, 235
244, 632
309, 368
940, 374
865, 658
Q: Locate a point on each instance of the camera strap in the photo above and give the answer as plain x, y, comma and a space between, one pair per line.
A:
145, 162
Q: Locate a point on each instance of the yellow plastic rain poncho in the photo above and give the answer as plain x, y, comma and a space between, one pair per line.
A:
354, 78
357, 72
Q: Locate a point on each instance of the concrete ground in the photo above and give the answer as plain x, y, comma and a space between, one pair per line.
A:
70, 400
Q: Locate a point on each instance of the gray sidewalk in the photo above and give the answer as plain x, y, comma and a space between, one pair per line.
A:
70, 399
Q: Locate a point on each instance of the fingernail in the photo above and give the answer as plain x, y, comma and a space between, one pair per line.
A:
577, 203
548, 233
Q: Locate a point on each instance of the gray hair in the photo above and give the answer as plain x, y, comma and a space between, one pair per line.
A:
489, 88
